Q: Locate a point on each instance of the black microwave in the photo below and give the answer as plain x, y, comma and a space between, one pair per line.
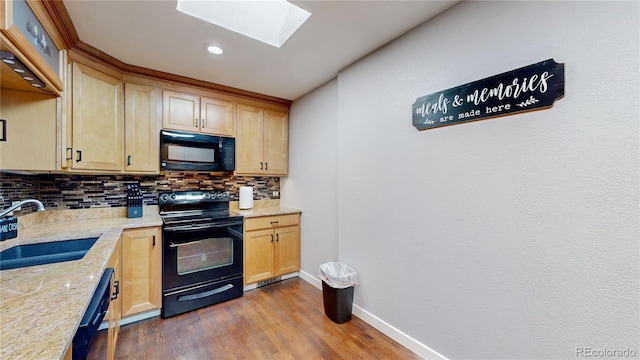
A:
196, 152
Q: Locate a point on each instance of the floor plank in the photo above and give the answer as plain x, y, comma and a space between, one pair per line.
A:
284, 320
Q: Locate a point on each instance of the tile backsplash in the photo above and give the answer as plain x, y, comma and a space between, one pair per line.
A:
63, 191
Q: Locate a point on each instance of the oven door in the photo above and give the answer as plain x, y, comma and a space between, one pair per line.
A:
199, 253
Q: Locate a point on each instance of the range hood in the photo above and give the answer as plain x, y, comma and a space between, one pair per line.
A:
15, 75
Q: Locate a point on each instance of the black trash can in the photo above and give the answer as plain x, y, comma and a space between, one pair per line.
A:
338, 303
338, 281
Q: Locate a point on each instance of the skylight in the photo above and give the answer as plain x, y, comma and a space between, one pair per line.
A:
269, 21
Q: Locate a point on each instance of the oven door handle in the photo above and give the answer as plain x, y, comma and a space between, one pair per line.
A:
174, 245
233, 232
205, 294
200, 227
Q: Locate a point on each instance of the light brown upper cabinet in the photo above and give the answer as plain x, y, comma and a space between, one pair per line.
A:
27, 131
111, 126
194, 113
262, 141
97, 120
142, 111
28, 32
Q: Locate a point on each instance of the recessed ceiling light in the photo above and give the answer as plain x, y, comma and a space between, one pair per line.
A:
271, 22
214, 50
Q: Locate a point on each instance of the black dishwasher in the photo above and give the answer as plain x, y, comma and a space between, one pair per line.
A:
93, 316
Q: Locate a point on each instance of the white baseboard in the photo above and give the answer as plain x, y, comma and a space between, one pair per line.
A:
289, 276
311, 279
139, 317
132, 318
405, 340
250, 287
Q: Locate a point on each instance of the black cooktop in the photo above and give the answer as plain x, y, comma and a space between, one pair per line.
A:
195, 206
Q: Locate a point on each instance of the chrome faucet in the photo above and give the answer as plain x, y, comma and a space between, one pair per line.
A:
19, 204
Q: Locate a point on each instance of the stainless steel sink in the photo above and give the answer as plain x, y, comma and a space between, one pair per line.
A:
45, 253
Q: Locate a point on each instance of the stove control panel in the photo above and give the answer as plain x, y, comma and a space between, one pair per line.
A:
193, 197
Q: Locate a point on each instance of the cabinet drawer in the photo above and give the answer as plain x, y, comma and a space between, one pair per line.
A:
267, 222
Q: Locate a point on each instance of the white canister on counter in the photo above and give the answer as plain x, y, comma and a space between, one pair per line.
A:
246, 197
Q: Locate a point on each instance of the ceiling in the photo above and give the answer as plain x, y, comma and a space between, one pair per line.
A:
154, 35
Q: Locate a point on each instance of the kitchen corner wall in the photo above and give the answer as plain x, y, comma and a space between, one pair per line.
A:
510, 238
61, 191
313, 184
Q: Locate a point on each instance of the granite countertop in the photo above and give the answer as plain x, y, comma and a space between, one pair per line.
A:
255, 212
41, 306
263, 208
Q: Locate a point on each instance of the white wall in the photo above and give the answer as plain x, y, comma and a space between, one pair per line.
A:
515, 237
312, 184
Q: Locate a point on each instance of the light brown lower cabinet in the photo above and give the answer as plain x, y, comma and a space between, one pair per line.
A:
114, 313
69, 354
271, 246
141, 270
137, 279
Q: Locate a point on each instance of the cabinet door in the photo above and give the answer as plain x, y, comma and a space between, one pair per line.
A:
258, 255
110, 316
141, 270
97, 120
69, 354
28, 127
249, 140
287, 251
217, 117
142, 117
114, 312
276, 142
180, 111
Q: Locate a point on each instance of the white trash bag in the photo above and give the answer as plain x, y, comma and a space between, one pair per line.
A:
338, 275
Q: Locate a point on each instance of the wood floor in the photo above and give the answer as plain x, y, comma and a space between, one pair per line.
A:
284, 320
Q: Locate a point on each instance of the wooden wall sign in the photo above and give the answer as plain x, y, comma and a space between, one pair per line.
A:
532, 87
